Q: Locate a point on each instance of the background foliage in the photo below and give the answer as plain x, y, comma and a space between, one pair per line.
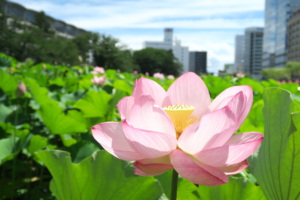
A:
47, 150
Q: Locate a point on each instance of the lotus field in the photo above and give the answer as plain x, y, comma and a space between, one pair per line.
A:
82, 132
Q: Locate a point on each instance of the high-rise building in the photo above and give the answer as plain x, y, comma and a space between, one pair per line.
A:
167, 44
182, 54
294, 37
277, 13
239, 54
198, 62
253, 43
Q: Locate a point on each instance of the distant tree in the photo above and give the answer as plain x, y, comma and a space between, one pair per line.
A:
157, 60
110, 54
43, 22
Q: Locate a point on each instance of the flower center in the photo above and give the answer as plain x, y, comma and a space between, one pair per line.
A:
181, 117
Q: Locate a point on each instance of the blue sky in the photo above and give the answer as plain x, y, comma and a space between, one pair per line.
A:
202, 25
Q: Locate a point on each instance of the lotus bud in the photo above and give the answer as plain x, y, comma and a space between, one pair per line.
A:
21, 90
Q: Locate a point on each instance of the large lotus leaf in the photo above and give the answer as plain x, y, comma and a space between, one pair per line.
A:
59, 123
100, 176
277, 163
8, 83
123, 85
236, 189
40, 94
82, 150
5, 112
58, 81
37, 142
94, 104
7, 149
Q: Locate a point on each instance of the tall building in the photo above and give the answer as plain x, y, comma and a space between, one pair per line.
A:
198, 62
294, 37
182, 54
239, 53
253, 43
167, 44
277, 13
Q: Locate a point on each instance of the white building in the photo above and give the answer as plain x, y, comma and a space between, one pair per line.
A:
180, 52
166, 44
239, 54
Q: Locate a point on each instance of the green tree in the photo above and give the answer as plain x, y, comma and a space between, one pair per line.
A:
157, 60
110, 54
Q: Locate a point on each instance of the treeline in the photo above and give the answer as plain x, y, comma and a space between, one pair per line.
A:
40, 43
291, 71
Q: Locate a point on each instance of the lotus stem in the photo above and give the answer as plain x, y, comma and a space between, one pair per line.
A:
174, 185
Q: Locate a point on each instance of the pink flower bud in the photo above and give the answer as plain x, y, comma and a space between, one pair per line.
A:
147, 73
135, 72
171, 77
44, 66
21, 90
80, 58
11, 70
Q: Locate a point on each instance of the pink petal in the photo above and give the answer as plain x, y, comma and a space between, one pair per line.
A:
161, 160
229, 154
189, 89
189, 170
148, 143
151, 169
214, 130
235, 169
244, 138
237, 103
124, 107
232, 91
145, 115
111, 137
147, 86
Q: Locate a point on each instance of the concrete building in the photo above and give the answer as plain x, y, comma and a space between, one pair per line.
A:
28, 16
253, 43
166, 44
277, 13
294, 37
239, 54
198, 62
228, 70
180, 52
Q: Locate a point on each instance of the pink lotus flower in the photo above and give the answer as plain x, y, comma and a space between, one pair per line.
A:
135, 72
80, 71
182, 129
44, 66
171, 77
147, 73
159, 76
80, 58
98, 70
297, 81
21, 90
11, 70
289, 81
283, 81
98, 80
240, 75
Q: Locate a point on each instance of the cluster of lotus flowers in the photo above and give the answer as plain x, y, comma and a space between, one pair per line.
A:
98, 80
161, 76
182, 129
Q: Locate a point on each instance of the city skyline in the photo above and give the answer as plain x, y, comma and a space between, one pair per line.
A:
202, 26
